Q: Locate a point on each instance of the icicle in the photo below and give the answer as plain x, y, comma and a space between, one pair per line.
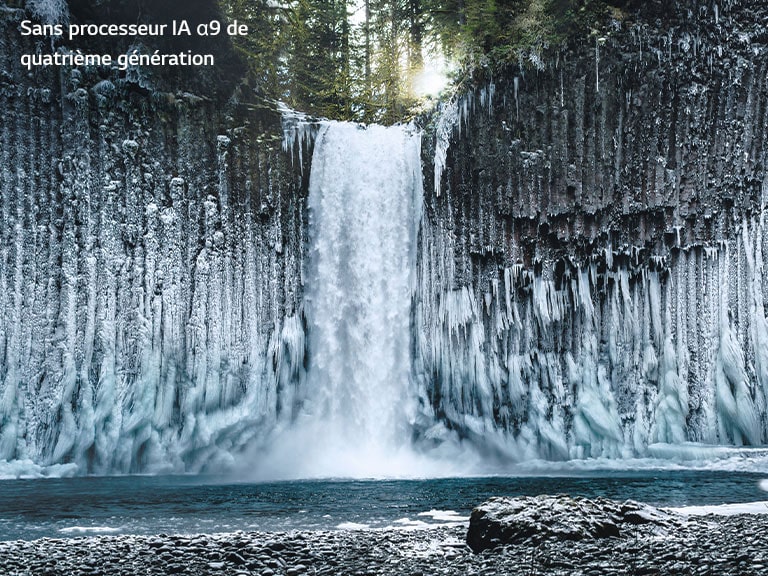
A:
597, 65
298, 133
491, 94
447, 122
516, 84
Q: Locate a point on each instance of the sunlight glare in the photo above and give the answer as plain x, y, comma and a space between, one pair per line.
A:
429, 82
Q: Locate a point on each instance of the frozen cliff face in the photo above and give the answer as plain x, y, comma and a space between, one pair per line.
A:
49, 11
587, 278
150, 258
592, 262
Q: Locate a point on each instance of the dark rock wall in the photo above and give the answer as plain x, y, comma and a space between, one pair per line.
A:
149, 268
592, 262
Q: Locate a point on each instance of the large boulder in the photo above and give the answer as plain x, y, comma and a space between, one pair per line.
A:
532, 519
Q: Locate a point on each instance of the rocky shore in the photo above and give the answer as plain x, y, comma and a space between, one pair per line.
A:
696, 545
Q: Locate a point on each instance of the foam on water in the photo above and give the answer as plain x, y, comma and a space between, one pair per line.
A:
444, 515
77, 530
353, 526
723, 509
444, 518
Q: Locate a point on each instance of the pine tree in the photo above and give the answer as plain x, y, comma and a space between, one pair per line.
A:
310, 54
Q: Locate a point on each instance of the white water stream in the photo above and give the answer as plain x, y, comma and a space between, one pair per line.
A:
357, 405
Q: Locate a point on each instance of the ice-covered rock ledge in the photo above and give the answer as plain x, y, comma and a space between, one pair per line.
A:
534, 519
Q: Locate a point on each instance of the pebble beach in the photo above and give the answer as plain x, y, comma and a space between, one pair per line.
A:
700, 545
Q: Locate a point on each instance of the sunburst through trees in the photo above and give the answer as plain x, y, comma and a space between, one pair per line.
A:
377, 60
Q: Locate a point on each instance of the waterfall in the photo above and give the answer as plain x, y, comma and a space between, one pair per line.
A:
365, 203
354, 414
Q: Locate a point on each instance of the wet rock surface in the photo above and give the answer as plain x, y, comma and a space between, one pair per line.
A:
732, 545
534, 519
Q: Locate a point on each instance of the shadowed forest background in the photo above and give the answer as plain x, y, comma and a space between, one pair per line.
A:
362, 59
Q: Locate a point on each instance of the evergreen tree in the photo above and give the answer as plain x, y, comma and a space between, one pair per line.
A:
314, 56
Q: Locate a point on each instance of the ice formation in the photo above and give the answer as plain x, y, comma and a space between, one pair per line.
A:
49, 11
591, 264
149, 278
603, 363
584, 278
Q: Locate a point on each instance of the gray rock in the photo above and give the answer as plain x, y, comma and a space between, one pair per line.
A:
503, 520
235, 558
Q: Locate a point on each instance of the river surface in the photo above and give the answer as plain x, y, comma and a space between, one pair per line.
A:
65, 507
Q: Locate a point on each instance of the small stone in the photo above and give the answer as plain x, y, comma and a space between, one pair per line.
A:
235, 558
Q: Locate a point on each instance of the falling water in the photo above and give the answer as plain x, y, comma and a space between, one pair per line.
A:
365, 202
364, 210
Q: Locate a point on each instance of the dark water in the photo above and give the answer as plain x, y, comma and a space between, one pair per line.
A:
189, 504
